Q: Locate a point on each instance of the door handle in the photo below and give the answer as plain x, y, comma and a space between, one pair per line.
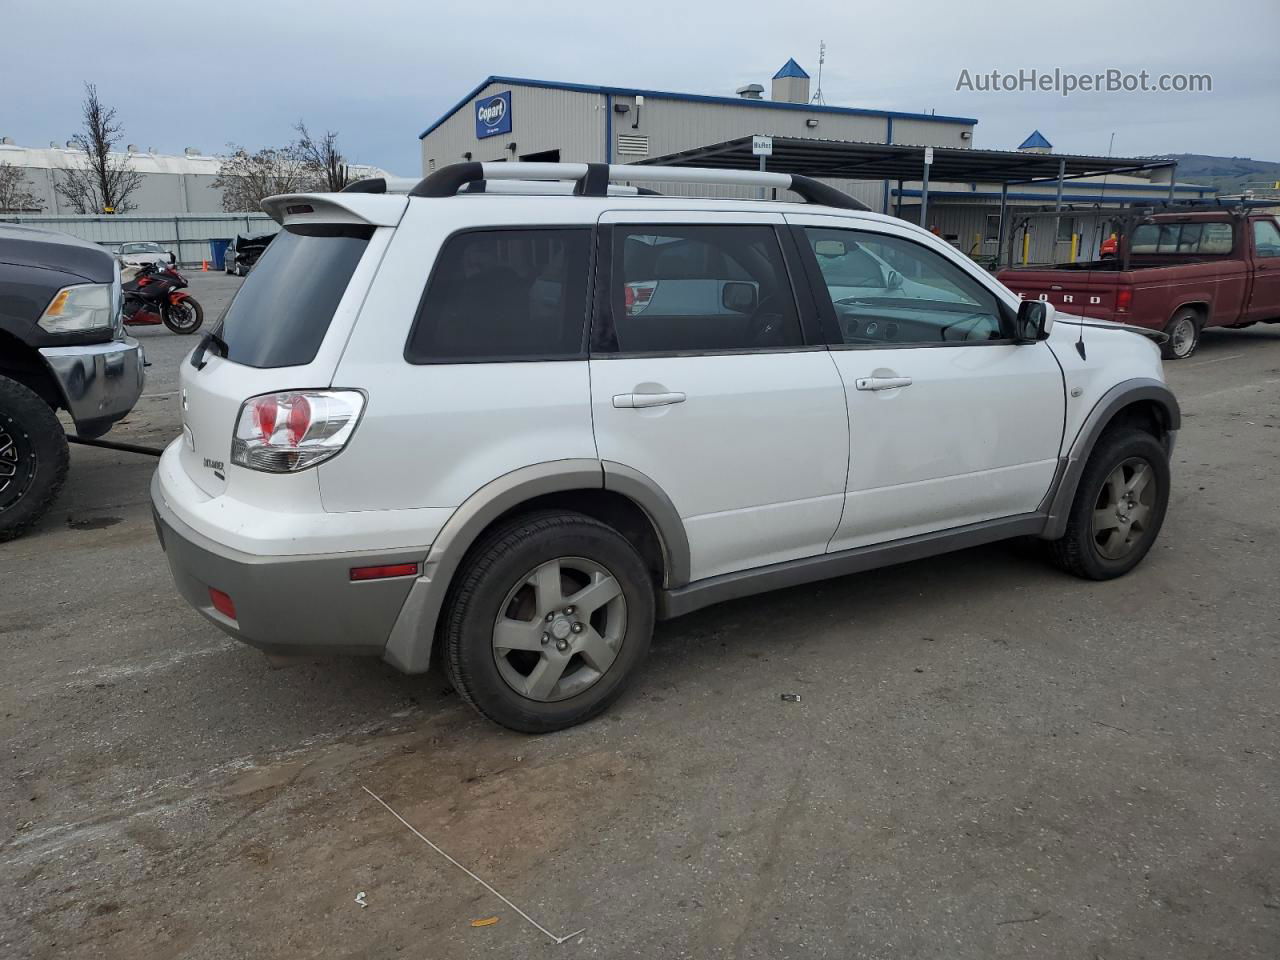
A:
628, 401
882, 383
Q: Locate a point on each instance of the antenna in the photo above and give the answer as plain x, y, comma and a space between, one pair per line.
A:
822, 58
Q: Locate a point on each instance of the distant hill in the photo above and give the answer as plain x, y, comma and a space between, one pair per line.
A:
1231, 175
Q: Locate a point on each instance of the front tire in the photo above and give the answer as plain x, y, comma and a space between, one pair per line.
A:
1184, 335
33, 458
184, 317
1118, 509
549, 620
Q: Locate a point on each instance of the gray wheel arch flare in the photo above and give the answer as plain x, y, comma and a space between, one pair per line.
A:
410, 643
1122, 395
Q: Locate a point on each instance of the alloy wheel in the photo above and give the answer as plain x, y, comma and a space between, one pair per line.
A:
559, 629
17, 465
1123, 511
1183, 337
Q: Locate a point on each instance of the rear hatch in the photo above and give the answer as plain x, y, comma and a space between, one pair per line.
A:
286, 327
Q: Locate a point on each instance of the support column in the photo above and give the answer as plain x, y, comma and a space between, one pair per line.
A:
924, 197
1004, 204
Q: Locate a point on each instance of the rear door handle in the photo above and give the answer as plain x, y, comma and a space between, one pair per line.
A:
881, 383
628, 401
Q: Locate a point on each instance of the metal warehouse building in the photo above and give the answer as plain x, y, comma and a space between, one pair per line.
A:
508, 118
170, 184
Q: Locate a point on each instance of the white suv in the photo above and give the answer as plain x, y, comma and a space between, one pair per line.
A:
508, 425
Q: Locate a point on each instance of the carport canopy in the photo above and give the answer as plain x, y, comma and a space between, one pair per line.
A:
852, 160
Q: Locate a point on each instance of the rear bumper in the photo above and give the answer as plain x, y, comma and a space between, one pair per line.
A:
100, 382
289, 604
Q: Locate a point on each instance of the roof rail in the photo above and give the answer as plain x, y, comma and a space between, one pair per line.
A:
522, 187
593, 179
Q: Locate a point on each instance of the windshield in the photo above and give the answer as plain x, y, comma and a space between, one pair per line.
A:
141, 248
282, 312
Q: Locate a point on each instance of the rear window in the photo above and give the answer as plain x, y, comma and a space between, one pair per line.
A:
1197, 238
505, 295
283, 310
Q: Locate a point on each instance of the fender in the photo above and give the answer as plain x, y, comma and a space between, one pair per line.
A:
177, 296
1058, 502
413, 635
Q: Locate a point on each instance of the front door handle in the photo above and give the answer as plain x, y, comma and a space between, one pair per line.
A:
882, 383
628, 401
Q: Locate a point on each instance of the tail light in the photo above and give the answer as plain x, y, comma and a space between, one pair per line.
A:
288, 432
637, 296
1124, 298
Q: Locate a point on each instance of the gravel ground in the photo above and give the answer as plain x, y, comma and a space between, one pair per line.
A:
989, 759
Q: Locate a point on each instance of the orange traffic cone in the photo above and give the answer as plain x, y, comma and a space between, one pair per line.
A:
204, 265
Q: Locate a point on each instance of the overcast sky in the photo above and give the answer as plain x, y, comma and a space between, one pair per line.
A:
205, 74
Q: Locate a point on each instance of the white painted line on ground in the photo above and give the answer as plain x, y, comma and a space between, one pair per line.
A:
1205, 363
469, 873
155, 396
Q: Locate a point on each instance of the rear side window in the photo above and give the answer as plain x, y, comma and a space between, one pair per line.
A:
283, 310
701, 289
1198, 238
505, 295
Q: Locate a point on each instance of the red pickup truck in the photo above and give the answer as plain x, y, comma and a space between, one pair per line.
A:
1178, 272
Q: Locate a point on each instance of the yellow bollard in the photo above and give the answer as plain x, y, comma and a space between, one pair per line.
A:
977, 244
1026, 247
1075, 246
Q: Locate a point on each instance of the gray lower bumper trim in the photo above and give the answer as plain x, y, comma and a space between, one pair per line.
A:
100, 382
286, 605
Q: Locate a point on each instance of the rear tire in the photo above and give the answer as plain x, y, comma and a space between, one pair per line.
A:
33, 458
1184, 335
185, 316
1117, 514
548, 621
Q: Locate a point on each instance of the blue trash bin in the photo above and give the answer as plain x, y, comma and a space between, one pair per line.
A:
218, 253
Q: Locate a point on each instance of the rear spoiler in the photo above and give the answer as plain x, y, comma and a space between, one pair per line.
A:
373, 210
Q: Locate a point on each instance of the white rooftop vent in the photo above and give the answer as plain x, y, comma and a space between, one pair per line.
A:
191, 152
133, 148
7, 141
751, 91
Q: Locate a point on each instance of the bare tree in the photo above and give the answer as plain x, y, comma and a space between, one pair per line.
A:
246, 179
14, 195
105, 182
324, 156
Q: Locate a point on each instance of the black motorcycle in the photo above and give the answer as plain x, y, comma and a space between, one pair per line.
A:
155, 296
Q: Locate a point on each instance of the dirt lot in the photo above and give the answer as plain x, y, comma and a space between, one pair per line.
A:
989, 759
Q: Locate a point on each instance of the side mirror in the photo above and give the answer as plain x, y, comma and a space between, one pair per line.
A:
739, 296
893, 281
1035, 320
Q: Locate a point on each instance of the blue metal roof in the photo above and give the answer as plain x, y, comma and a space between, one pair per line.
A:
1035, 140
689, 97
791, 69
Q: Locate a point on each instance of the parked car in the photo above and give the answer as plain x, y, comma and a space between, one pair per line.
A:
1178, 272
136, 254
243, 252
446, 428
62, 347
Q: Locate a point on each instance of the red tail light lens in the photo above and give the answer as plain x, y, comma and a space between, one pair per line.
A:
1124, 298
223, 603
287, 432
636, 296
384, 572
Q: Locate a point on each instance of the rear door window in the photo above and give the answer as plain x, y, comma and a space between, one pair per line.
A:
282, 312
505, 295
701, 289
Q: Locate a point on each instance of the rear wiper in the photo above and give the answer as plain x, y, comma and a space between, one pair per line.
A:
210, 339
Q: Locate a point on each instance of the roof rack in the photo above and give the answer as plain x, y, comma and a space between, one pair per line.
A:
521, 187
594, 179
